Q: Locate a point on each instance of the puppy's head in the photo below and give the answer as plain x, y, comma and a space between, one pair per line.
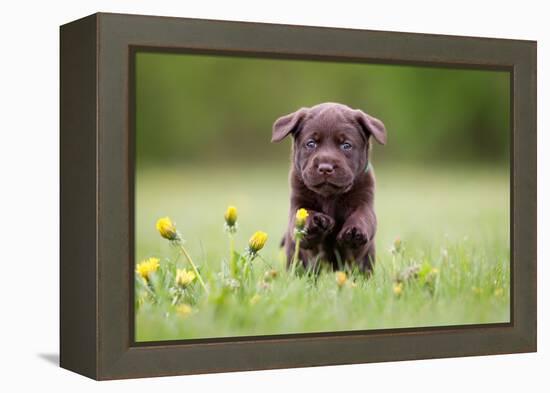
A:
331, 144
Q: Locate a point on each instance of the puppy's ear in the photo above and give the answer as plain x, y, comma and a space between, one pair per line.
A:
288, 124
372, 126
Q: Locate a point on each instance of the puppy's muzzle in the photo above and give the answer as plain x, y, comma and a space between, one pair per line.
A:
325, 169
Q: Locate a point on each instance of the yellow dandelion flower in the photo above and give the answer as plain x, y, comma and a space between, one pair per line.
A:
397, 246
231, 216
341, 278
167, 229
184, 277
255, 299
301, 217
146, 267
397, 243
257, 242
498, 292
184, 310
398, 289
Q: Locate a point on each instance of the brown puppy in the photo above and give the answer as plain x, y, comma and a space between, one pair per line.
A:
332, 179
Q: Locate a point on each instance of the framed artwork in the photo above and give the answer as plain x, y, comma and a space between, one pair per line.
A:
241, 196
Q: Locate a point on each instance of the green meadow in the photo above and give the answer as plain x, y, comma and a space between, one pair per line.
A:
442, 254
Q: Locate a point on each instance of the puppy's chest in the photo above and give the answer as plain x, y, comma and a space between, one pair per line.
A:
334, 209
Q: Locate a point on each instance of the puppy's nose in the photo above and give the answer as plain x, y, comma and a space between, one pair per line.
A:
325, 169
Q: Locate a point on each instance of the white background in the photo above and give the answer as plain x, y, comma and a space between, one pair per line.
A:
29, 193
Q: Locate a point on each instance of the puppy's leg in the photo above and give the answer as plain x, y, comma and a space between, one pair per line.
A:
318, 226
356, 239
366, 264
309, 259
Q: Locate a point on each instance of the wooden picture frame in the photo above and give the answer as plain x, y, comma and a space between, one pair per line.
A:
97, 266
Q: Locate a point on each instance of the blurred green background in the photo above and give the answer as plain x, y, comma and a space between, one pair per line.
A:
194, 108
203, 133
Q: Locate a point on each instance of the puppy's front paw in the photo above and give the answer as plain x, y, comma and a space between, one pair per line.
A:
318, 225
352, 237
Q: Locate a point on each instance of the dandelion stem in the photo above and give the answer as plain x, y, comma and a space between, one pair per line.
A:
149, 289
245, 269
188, 257
232, 259
175, 299
265, 262
247, 266
296, 253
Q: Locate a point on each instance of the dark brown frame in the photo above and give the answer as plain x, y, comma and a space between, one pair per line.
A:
97, 196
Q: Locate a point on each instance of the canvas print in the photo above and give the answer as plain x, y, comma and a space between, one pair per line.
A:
286, 196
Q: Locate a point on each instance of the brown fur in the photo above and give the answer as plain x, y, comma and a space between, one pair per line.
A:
328, 179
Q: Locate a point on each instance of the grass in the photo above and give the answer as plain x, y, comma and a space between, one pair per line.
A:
453, 223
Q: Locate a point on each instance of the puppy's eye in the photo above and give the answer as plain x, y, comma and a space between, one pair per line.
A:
345, 146
311, 144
